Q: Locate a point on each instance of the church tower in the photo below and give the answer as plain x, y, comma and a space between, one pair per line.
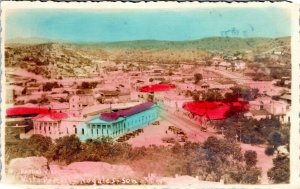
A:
75, 105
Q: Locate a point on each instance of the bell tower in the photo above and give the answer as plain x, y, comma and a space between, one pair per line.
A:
75, 106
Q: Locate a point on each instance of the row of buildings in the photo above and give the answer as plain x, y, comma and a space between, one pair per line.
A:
105, 120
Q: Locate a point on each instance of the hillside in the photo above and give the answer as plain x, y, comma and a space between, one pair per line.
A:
48, 60
223, 44
217, 44
70, 59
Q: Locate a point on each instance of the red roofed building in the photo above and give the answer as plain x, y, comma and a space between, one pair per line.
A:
214, 110
49, 124
155, 91
109, 124
157, 87
24, 111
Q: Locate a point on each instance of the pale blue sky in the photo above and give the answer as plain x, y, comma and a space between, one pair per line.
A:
123, 25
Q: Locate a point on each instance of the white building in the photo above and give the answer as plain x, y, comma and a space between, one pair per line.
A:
75, 106
277, 107
287, 117
258, 114
49, 124
225, 64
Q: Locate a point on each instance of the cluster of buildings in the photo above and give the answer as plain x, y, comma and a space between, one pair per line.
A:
103, 120
111, 102
233, 63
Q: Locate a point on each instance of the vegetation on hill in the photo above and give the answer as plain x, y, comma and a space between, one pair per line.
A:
232, 44
76, 59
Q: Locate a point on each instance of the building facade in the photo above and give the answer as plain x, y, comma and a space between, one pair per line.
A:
106, 124
131, 120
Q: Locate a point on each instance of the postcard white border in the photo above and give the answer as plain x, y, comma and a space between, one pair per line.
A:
295, 51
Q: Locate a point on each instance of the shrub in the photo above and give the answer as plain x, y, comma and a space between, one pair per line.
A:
280, 173
269, 151
250, 158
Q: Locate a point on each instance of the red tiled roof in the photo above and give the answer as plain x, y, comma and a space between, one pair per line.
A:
216, 110
57, 116
40, 112
112, 116
23, 111
157, 87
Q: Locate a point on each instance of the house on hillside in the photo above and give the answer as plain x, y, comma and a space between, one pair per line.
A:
216, 60
258, 114
277, 108
225, 65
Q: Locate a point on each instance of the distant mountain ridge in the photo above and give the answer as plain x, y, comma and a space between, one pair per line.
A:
33, 40
212, 43
209, 43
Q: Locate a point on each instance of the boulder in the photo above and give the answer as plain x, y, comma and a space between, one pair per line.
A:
87, 172
31, 170
37, 170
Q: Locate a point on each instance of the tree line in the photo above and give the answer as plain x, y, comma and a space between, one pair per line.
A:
213, 160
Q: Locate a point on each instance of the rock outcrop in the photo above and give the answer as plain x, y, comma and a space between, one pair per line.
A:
37, 170
31, 170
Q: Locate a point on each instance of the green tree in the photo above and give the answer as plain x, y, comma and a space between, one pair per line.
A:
213, 95
66, 149
275, 139
85, 85
39, 143
198, 77
24, 91
251, 176
250, 157
269, 151
196, 97
280, 172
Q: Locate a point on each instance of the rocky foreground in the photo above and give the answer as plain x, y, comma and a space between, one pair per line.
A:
37, 170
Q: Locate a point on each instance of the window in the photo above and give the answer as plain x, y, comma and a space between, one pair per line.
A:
82, 131
75, 130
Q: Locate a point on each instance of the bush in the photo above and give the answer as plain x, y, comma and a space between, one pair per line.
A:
275, 139
33, 101
280, 173
269, 151
196, 97
66, 149
250, 158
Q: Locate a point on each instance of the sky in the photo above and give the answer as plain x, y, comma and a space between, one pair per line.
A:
164, 24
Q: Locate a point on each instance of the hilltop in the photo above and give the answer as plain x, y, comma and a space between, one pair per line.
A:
70, 58
217, 44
